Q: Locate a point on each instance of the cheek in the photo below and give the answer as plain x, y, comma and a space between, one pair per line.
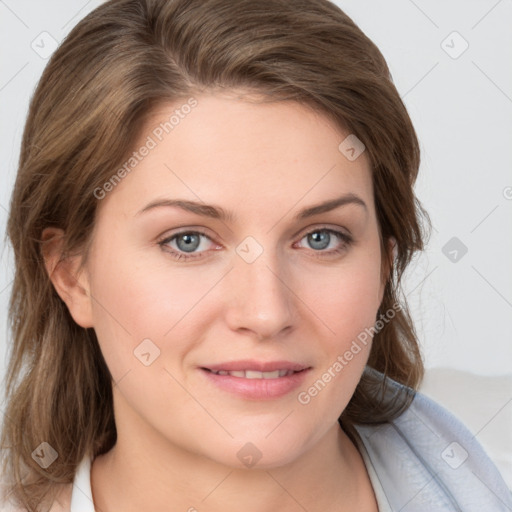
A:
135, 301
348, 308
346, 299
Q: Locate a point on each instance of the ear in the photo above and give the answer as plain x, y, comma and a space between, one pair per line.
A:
70, 282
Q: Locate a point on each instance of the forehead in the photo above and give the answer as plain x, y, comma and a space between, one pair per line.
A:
224, 148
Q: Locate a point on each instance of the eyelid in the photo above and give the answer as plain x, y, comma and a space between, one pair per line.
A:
344, 235
206, 232
165, 238
320, 227
169, 234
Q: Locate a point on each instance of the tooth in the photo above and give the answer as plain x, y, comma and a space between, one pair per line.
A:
254, 374
251, 374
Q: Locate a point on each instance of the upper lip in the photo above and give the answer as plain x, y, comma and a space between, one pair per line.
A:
259, 366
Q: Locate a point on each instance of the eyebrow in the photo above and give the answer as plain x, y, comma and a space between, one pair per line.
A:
217, 212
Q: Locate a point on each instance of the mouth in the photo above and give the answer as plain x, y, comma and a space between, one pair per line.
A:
257, 380
255, 374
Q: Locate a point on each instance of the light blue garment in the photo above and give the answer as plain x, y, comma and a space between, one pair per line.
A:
425, 460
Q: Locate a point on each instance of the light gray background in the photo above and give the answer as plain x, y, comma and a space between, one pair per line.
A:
462, 110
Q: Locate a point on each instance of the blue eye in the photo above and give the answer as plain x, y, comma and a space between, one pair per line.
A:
186, 243
184, 246
320, 239
190, 241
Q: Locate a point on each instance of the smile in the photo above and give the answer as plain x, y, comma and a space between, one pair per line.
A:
254, 374
254, 380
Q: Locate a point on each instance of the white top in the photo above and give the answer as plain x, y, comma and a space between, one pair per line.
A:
81, 498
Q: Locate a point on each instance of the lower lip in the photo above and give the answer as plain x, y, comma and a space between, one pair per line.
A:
257, 389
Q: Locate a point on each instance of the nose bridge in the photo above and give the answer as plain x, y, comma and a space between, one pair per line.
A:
259, 296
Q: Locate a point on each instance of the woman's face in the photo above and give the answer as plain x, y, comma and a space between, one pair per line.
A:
251, 277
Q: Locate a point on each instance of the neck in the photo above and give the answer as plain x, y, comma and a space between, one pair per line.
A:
146, 472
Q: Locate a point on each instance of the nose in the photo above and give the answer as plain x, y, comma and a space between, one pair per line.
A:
260, 300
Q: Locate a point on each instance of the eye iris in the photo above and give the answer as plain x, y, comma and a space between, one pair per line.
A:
319, 239
191, 242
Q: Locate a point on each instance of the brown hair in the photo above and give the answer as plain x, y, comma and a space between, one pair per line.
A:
120, 62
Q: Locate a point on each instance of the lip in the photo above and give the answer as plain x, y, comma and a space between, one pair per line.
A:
257, 389
259, 366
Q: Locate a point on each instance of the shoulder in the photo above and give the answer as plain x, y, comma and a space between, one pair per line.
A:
428, 457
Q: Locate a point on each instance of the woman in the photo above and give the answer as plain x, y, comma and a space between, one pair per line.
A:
212, 214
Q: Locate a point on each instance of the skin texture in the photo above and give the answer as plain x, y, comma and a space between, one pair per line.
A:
179, 435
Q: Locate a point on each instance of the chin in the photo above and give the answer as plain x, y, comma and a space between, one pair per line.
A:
258, 452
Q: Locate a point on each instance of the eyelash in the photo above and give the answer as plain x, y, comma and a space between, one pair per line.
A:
346, 242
